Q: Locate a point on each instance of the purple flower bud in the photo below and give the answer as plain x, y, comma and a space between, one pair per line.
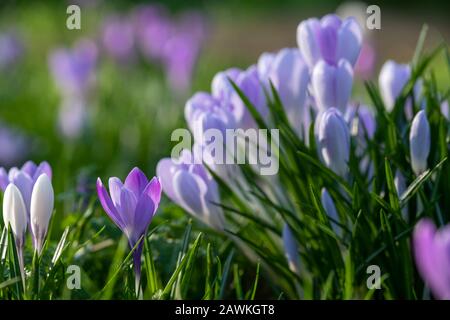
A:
221, 88
24, 179
419, 142
203, 112
290, 77
131, 206
330, 39
333, 140
73, 70
118, 38
11, 49
432, 256
332, 85
330, 209
249, 83
392, 79
191, 186
291, 249
400, 186
362, 125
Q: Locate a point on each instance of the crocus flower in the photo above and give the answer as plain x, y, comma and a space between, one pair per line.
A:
24, 179
419, 142
249, 83
400, 186
392, 79
432, 255
332, 84
191, 186
330, 39
291, 249
290, 77
11, 49
264, 66
330, 209
333, 140
73, 70
203, 112
41, 209
153, 28
221, 88
118, 38
15, 216
362, 124
131, 206
14, 143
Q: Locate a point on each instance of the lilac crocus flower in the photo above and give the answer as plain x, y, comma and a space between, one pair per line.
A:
118, 38
73, 70
131, 206
362, 124
432, 256
24, 179
392, 79
333, 140
221, 88
14, 145
330, 39
419, 142
153, 28
11, 49
264, 66
191, 186
249, 83
332, 84
291, 249
290, 77
203, 112
330, 209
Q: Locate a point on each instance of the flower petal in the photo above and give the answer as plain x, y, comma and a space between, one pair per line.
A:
108, 206
136, 181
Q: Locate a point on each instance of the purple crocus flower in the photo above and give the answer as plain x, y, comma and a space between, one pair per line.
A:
330, 209
264, 66
330, 39
332, 84
118, 38
191, 186
290, 77
333, 140
419, 142
11, 49
24, 179
221, 88
291, 249
432, 255
392, 79
153, 28
73, 70
131, 206
249, 83
13, 143
203, 112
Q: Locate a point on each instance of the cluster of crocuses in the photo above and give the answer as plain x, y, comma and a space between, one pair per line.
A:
172, 42
175, 44
314, 82
28, 202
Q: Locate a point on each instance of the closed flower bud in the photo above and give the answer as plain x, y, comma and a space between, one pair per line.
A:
41, 209
291, 249
333, 140
332, 85
419, 142
15, 213
330, 209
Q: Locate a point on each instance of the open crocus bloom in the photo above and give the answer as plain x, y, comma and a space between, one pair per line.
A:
192, 187
131, 206
432, 255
